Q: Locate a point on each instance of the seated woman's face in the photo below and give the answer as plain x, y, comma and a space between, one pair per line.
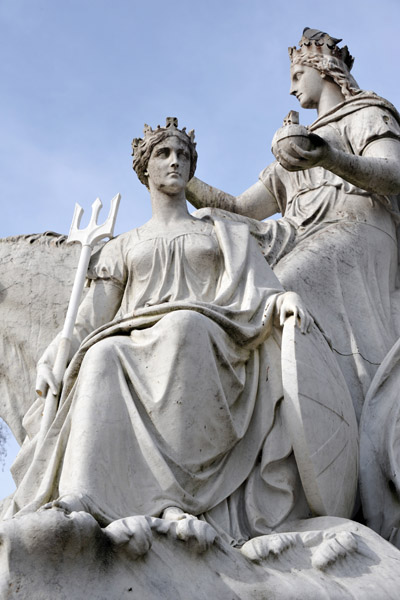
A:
169, 166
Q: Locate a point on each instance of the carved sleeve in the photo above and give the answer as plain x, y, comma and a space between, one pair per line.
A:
370, 124
272, 179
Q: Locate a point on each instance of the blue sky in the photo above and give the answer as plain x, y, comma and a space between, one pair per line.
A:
80, 77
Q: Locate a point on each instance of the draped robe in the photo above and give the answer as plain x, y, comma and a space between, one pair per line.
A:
176, 401
336, 244
340, 245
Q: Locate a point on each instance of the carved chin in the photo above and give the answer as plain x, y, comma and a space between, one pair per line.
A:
173, 186
307, 103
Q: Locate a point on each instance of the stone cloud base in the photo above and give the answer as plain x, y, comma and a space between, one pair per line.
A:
55, 556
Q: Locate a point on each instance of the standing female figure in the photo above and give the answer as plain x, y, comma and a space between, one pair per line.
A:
336, 243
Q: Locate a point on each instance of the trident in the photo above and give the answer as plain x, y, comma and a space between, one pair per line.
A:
87, 238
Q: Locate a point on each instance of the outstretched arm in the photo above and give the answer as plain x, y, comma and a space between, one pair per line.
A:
256, 202
376, 171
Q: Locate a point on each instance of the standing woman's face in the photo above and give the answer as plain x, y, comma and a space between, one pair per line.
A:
306, 85
169, 166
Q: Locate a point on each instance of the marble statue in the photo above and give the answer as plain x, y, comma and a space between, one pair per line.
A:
336, 243
208, 417
173, 304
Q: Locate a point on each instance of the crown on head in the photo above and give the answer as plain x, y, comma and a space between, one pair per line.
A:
315, 42
142, 147
171, 126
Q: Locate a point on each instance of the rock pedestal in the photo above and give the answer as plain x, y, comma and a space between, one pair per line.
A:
51, 555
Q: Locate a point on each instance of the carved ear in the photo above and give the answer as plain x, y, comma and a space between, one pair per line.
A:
146, 173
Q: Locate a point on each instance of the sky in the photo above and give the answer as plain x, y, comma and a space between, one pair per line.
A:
79, 78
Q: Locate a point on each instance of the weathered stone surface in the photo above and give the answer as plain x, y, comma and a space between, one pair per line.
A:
380, 450
179, 400
49, 555
315, 392
165, 402
36, 276
336, 244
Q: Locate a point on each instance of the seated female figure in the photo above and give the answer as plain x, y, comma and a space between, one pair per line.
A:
171, 401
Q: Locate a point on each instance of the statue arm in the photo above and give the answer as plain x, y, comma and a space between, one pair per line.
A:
256, 202
376, 170
98, 307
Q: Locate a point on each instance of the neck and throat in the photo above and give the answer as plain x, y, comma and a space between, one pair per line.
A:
168, 208
331, 96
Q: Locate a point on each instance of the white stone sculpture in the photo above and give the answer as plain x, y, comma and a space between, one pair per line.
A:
192, 431
25, 298
167, 400
336, 185
51, 555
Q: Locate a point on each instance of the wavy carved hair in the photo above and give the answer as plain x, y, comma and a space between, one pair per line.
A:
329, 66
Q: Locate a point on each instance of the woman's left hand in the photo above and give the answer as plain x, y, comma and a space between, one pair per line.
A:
290, 304
297, 159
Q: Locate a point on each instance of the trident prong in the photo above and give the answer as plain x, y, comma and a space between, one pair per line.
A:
93, 232
96, 207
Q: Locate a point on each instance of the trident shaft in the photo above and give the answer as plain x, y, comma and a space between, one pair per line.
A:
87, 237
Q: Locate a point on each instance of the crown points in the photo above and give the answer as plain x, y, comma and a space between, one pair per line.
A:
142, 147
315, 42
171, 125
171, 122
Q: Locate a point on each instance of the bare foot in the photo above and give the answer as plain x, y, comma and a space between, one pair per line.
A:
183, 526
133, 532
335, 546
70, 503
260, 548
